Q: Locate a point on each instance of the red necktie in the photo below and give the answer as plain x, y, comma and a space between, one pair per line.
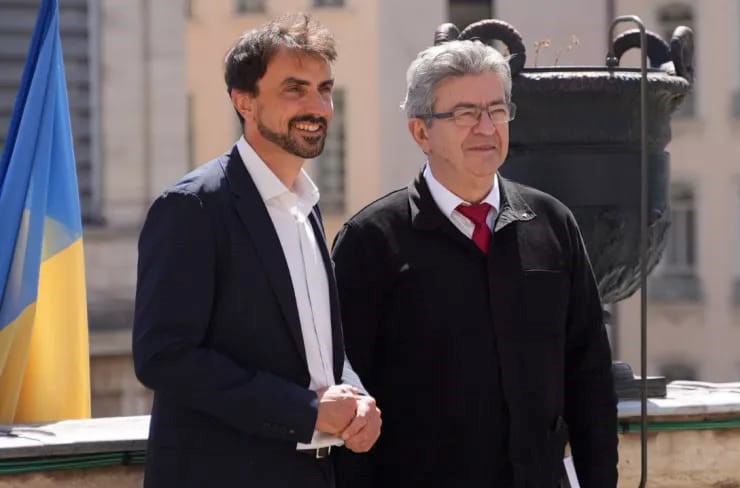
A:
477, 214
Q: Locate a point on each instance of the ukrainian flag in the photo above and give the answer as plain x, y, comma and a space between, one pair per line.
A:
44, 358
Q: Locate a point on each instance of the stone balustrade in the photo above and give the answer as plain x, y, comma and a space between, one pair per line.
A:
693, 442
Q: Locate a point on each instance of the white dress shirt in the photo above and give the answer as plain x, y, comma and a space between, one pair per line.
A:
289, 210
448, 203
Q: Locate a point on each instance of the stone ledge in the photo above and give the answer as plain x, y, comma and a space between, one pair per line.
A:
71, 437
688, 400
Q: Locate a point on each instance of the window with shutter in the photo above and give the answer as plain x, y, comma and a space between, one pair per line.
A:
17, 21
675, 278
464, 12
328, 168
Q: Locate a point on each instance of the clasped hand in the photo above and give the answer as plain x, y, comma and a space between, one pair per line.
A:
345, 413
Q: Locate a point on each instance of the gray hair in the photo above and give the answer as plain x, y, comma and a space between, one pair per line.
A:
454, 58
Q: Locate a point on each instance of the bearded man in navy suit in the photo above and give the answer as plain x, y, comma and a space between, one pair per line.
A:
237, 327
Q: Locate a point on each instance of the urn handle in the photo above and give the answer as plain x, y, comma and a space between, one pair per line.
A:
682, 52
658, 51
486, 31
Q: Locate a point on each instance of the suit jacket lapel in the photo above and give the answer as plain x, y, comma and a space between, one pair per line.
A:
259, 227
336, 319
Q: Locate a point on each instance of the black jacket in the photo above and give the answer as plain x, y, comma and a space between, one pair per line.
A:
447, 361
218, 338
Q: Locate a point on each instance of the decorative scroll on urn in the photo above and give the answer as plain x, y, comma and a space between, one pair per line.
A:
577, 136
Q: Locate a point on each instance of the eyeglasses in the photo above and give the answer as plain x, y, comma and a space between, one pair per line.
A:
469, 115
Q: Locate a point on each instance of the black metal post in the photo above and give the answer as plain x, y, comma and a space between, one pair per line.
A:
612, 61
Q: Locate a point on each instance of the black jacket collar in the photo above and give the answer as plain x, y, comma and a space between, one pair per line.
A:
425, 214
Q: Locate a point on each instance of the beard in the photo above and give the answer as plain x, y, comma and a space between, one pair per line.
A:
306, 147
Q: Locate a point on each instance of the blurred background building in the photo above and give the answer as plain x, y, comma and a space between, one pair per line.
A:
694, 314
125, 68
148, 103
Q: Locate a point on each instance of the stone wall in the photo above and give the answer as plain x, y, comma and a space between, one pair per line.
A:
683, 459
116, 476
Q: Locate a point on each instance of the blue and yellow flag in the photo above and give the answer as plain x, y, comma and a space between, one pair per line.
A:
44, 359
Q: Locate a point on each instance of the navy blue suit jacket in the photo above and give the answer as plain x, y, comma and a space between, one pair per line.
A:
218, 338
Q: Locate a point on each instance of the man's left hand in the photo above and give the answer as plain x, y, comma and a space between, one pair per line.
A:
361, 434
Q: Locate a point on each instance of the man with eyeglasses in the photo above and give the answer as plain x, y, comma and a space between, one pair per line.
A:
469, 306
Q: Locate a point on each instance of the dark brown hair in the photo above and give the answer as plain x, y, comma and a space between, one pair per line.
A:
247, 60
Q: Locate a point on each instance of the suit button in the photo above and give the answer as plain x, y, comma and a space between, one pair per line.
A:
291, 431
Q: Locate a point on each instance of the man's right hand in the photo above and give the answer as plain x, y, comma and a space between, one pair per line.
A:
337, 408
